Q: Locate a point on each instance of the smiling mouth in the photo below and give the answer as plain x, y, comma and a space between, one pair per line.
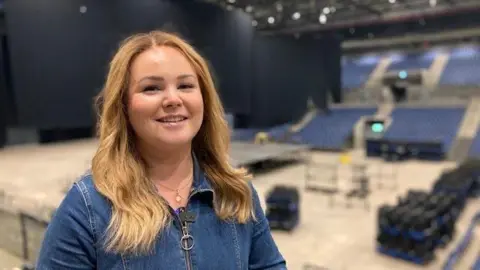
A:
172, 119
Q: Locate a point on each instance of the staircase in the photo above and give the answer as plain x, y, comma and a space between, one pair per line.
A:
435, 71
312, 111
374, 87
385, 109
466, 133
375, 79
304, 121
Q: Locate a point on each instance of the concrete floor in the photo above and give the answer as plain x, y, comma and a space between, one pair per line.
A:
340, 238
337, 238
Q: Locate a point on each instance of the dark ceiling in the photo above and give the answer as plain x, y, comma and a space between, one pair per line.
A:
353, 19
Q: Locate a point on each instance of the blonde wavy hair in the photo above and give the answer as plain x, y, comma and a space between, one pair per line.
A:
139, 214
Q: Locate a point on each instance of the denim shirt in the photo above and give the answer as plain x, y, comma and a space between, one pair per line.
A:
73, 237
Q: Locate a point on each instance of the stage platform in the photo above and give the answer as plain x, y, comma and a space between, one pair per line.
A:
333, 225
33, 179
36, 172
244, 154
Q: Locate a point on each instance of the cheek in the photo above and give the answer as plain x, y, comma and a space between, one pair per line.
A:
140, 107
199, 108
139, 111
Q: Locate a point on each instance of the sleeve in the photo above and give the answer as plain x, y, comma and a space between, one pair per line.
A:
264, 253
69, 239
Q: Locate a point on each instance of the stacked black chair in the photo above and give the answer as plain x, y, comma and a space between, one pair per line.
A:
417, 225
423, 221
283, 208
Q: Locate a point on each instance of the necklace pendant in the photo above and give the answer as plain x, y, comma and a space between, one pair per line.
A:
178, 198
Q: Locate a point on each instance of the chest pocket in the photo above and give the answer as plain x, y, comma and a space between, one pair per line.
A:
218, 246
167, 254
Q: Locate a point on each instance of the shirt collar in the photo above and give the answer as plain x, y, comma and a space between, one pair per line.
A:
200, 182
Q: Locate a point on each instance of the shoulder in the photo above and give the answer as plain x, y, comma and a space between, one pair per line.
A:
90, 194
71, 235
79, 194
255, 196
83, 199
257, 208
85, 184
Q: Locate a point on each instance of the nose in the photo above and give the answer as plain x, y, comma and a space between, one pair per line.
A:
172, 98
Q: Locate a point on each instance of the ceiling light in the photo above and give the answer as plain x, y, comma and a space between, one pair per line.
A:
279, 7
392, 1
229, 7
433, 3
296, 15
249, 9
271, 20
326, 10
322, 19
254, 23
231, 1
333, 9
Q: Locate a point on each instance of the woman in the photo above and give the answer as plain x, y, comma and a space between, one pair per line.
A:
161, 193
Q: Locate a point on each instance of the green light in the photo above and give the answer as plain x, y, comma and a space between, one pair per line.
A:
377, 127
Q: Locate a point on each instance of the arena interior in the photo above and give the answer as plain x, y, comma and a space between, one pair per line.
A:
359, 119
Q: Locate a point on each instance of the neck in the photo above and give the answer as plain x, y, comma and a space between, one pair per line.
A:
170, 167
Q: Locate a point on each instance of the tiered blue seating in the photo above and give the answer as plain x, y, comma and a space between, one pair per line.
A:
412, 61
475, 147
355, 72
278, 133
462, 68
248, 134
425, 125
330, 131
244, 134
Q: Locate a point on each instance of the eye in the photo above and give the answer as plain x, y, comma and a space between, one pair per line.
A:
186, 86
151, 88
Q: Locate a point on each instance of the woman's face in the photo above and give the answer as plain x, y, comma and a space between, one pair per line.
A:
165, 105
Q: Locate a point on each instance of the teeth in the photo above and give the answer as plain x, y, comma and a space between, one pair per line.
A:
172, 119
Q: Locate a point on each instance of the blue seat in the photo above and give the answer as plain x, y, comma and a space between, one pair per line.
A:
244, 134
278, 132
356, 71
475, 147
425, 125
412, 61
248, 134
330, 131
462, 68
355, 76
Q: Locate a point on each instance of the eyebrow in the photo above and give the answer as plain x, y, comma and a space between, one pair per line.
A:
160, 79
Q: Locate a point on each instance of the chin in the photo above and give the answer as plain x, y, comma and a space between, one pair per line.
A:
176, 141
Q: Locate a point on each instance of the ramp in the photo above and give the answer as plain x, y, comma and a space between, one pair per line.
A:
466, 133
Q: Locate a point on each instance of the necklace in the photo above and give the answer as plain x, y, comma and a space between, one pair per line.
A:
178, 197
